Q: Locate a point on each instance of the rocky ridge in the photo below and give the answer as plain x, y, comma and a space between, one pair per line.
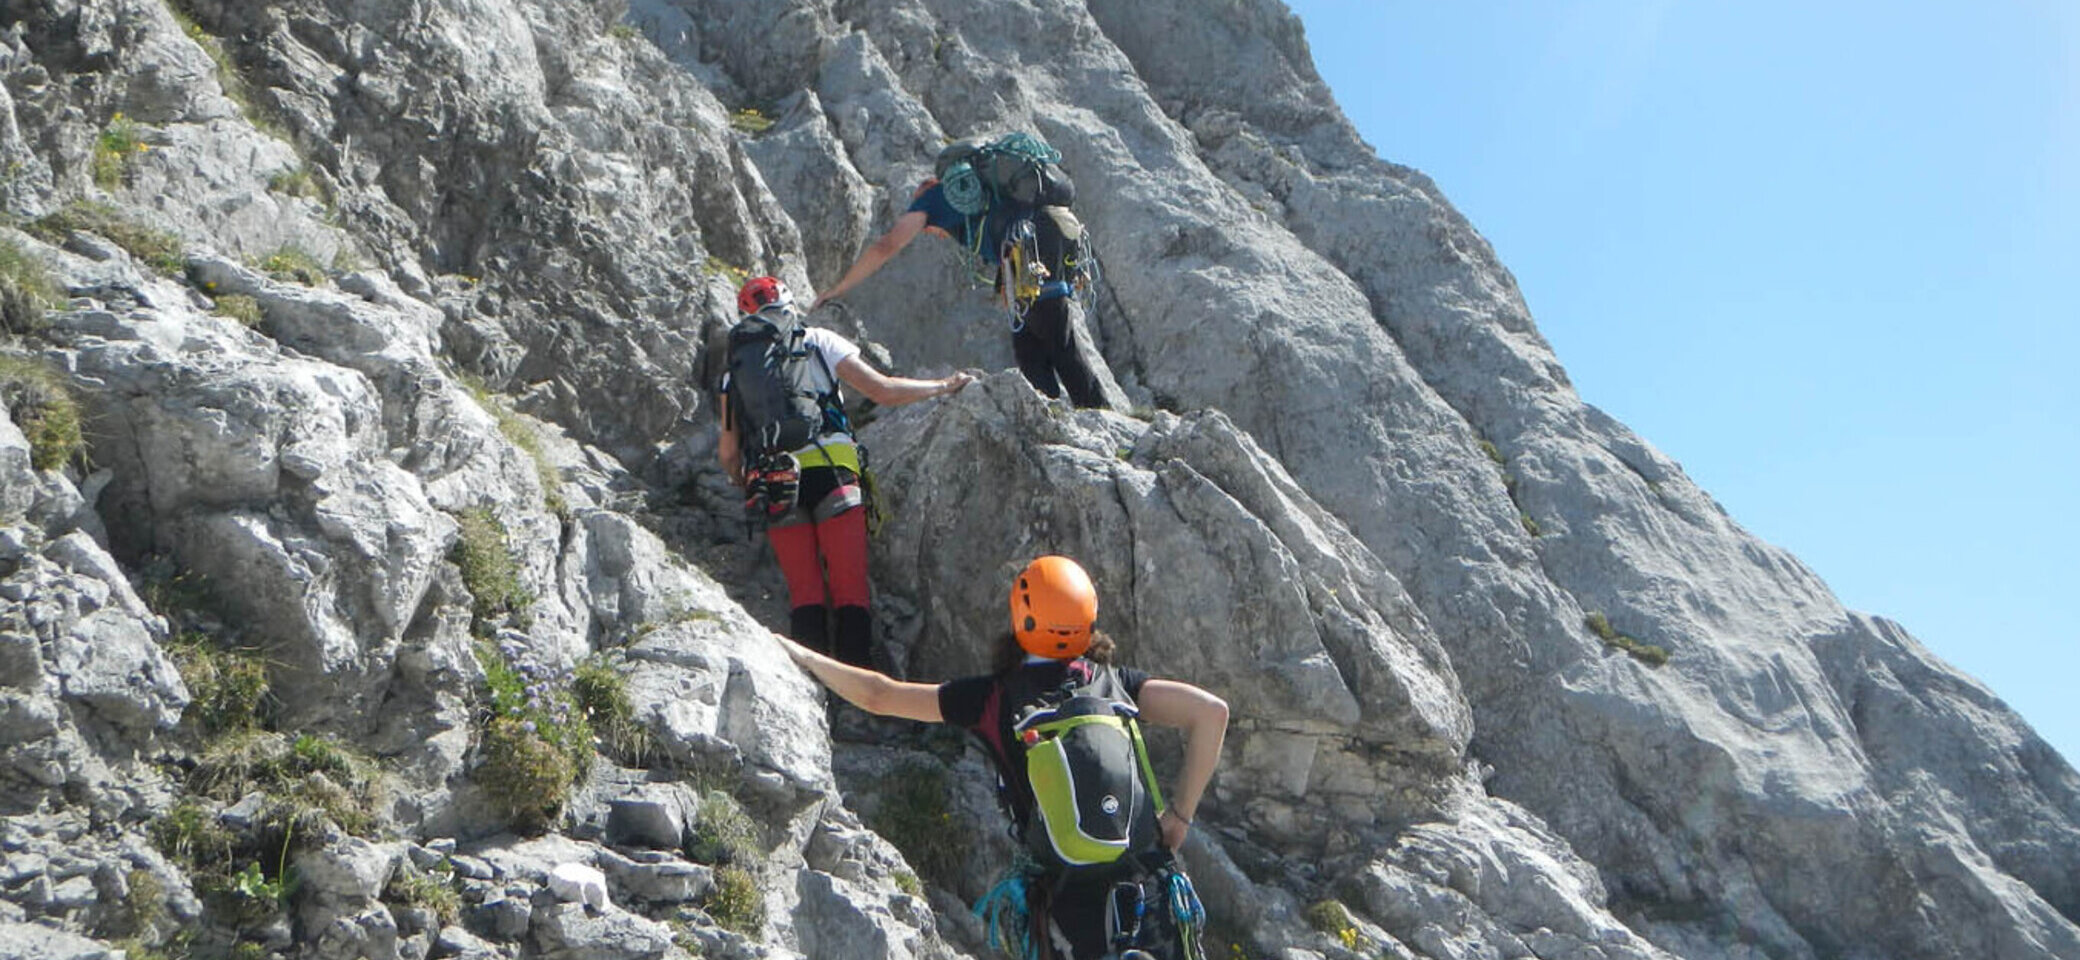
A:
384, 323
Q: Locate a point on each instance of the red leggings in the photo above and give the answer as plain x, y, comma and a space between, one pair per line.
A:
833, 550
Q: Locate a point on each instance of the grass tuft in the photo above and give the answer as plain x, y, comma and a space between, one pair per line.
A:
26, 290
229, 76
525, 777
483, 553
40, 403
911, 813
535, 741
601, 693
155, 248
724, 835
523, 434
413, 887
735, 902
291, 262
228, 688
297, 182
119, 144
241, 308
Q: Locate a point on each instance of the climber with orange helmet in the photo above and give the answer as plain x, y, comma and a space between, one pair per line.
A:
786, 441
1061, 724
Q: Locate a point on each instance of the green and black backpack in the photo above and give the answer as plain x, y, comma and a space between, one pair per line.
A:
1094, 795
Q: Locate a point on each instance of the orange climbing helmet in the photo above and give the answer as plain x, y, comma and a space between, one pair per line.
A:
1052, 607
759, 293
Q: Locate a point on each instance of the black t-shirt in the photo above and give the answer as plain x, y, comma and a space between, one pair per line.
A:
984, 706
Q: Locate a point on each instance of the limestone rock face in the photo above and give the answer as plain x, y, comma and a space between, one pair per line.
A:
389, 324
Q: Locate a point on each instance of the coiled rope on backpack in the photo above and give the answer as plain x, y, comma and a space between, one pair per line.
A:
1028, 146
965, 192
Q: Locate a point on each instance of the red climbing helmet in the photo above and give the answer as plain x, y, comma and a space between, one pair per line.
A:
759, 293
1052, 607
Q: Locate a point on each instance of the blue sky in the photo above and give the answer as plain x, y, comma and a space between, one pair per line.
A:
1826, 255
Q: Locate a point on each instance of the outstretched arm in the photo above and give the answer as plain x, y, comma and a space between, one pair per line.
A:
870, 691
877, 253
891, 391
1204, 719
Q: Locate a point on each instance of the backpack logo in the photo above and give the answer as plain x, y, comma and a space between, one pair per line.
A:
1110, 805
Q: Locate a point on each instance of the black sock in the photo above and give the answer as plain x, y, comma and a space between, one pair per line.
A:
810, 626
855, 636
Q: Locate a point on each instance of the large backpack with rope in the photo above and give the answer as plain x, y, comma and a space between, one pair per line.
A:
1044, 249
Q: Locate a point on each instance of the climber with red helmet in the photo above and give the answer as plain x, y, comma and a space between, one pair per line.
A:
1093, 875
786, 441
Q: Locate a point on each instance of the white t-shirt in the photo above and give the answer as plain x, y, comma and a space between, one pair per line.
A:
833, 349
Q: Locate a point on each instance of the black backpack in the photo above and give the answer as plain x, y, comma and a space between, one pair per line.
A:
1017, 170
774, 396
1094, 796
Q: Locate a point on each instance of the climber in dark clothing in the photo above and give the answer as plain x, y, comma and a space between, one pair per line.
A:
1042, 337
1072, 909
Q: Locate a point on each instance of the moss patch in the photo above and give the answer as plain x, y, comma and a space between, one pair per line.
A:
718, 267
1646, 653
750, 120
1333, 918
